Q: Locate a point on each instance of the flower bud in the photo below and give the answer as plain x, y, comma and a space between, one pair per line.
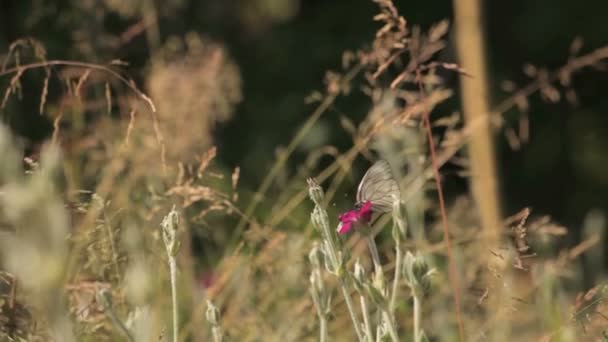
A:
171, 221
315, 191
169, 229
359, 275
212, 314
376, 296
379, 282
359, 271
418, 273
419, 268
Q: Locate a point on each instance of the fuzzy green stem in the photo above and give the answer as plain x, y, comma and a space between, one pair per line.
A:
320, 313
398, 261
173, 274
368, 326
351, 309
218, 335
392, 330
322, 329
417, 331
378, 269
345, 291
330, 243
374, 252
321, 221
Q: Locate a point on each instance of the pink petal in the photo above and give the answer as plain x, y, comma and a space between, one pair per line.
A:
349, 216
365, 212
345, 227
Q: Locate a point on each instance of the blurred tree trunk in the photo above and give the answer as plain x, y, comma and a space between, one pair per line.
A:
475, 102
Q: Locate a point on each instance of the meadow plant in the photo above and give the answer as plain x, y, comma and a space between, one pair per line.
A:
372, 290
81, 254
172, 244
213, 317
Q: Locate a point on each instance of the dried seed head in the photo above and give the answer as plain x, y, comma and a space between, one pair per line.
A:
169, 228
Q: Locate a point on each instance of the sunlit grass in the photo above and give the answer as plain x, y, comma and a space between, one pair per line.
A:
89, 253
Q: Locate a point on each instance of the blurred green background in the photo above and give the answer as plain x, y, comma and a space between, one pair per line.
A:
283, 49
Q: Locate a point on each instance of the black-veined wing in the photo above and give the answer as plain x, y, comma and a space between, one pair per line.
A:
379, 186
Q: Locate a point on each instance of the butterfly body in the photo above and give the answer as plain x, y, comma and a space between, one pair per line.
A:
376, 193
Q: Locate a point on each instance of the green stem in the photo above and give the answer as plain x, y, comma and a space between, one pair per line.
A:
392, 330
374, 252
351, 309
173, 273
323, 329
322, 317
368, 326
218, 335
323, 222
398, 261
416, 319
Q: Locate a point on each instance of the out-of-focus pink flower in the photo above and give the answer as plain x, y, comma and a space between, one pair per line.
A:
351, 217
207, 280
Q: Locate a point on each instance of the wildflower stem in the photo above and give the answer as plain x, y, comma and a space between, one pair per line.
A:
390, 323
332, 252
351, 309
398, 261
213, 317
321, 221
169, 232
173, 274
322, 317
453, 275
416, 318
218, 335
322, 329
368, 327
316, 292
374, 252
345, 290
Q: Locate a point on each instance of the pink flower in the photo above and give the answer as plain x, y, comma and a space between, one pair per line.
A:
207, 280
361, 213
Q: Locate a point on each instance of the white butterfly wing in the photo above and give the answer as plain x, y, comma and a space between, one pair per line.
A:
379, 186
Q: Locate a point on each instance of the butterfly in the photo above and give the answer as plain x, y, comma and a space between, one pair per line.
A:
376, 193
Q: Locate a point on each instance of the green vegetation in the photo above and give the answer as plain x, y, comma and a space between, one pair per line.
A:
154, 186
